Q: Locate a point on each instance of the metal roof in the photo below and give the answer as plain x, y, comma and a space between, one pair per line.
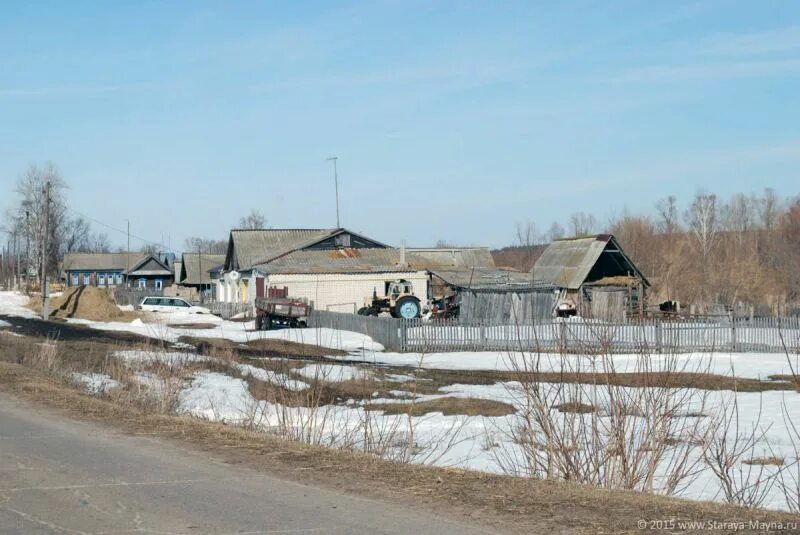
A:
489, 279
347, 260
566, 263
102, 261
257, 246
455, 257
195, 267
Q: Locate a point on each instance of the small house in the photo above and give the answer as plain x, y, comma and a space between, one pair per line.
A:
132, 270
193, 272
335, 269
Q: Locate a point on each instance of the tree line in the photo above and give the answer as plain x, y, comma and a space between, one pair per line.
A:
705, 251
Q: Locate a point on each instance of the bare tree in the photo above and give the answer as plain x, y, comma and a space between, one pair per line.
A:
555, 231
582, 223
769, 209
206, 245
253, 220
667, 209
702, 218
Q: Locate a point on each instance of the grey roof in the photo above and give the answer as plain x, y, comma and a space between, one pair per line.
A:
490, 278
455, 257
156, 267
102, 261
566, 263
195, 267
256, 246
347, 260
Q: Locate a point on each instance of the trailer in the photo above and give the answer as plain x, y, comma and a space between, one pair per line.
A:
277, 309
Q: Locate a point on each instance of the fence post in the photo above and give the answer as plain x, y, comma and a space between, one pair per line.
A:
562, 335
659, 336
403, 335
482, 337
734, 345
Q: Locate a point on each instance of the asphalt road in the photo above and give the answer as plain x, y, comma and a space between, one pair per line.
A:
64, 476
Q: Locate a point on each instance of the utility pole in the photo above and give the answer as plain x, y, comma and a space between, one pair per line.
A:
200, 262
45, 302
128, 254
27, 251
336, 181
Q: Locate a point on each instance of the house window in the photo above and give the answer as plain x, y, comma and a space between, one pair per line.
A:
159, 284
101, 279
87, 279
119, 278
142, 284
75, 279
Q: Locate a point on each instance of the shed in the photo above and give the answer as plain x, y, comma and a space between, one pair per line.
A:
594, 275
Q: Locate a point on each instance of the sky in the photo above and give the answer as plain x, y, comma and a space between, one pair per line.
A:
450, 120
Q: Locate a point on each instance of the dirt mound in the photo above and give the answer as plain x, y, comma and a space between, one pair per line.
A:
89, 303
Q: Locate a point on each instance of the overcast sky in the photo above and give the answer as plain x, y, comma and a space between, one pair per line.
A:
451, 120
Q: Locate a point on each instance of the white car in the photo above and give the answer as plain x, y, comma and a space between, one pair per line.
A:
170, 304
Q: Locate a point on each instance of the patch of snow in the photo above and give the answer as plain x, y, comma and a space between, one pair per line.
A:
95, 383
398, 378
15, 304
333, 373
745, 365
268, 376
4, 324
126, 308
133, 356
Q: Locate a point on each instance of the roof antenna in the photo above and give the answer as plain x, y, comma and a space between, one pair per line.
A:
336, 181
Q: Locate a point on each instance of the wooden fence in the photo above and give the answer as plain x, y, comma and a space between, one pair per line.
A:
229, 310
133, 296
574, 335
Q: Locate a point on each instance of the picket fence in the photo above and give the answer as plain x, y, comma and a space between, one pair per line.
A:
574, 335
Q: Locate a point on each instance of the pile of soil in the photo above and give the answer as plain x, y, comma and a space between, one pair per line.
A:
88, 303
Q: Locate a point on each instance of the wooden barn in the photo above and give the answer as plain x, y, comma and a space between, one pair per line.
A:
593, 276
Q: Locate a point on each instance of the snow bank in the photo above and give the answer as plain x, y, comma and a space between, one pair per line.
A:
333, 373
163, 357
268, 376
4, 324
15, 304
746, 365
95, 383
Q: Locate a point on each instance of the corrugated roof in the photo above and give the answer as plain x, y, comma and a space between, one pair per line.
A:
488, 278
195, 267
102, 261
258, 246
566, 263
455, 257
347, 260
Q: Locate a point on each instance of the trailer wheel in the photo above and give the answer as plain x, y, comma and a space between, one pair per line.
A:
259, 322
268, 322
407, 308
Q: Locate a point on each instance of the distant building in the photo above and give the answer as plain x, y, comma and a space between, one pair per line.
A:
335, 269
194, 272
594, 275
133, 270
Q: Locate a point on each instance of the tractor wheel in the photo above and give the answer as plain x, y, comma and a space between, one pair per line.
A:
407, 308
372, 312
259, 322
363, 311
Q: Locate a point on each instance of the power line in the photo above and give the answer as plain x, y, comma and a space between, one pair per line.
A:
162, 246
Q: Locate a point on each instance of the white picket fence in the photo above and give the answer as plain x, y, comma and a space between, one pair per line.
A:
576, 335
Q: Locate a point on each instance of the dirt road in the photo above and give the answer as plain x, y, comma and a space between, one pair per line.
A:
62, 476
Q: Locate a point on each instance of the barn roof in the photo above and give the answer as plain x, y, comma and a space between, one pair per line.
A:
567, 263
346, 260
102, 261
489, 279
195, 267
248, 248
455, 257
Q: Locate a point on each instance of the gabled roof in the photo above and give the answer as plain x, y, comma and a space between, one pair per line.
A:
346, 260
195, 267
490, 279
150, 265
247, 248
455, 257
102, 261
567, 263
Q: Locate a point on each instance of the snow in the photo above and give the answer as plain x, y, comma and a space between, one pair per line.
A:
15, 304
95, 383
333, 373
236, 331
268, 376
746, 365
4, 324
162, 357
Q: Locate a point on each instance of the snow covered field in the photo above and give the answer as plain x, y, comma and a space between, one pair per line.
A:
493, 444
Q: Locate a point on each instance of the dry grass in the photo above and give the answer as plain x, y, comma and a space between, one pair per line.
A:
764, 461
448, 406
576, 407
507, 504
264, 348
195, 326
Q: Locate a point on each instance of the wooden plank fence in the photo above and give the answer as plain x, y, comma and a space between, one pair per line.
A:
575, 335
